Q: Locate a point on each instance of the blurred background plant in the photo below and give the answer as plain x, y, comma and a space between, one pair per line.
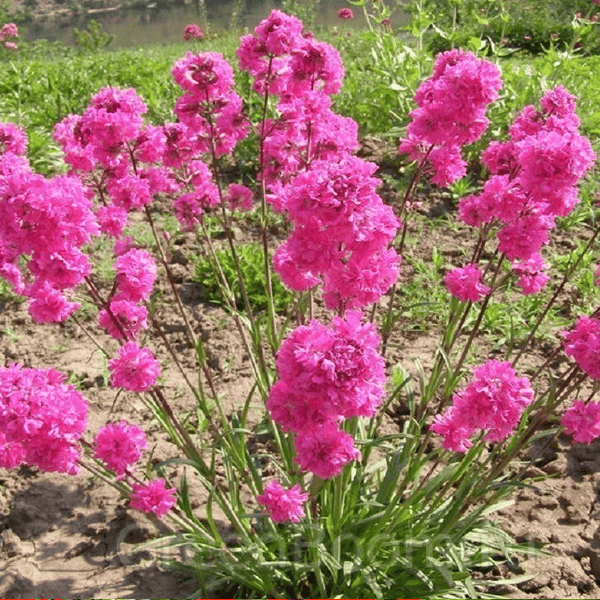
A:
532, 25
93, 38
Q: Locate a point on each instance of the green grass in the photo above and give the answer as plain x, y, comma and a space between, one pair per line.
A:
251, 261
6, 293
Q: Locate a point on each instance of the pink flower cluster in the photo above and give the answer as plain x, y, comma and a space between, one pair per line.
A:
9, 31
209, 107
12, 139
281, 504
494, 400
134, 368
583, 344
119, 160
465, 284
153, 497
42, 419
345, 13
192, 32
327, 374
116, 155
534, 178
302, 73
124, 315
120, 446
211, 121
451, 113
582, 421
342, 229
44, 223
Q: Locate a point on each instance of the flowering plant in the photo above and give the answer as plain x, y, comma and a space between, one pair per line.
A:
329, 504
9, 32
192, 32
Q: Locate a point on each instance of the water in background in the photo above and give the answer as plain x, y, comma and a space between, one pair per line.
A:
154, 24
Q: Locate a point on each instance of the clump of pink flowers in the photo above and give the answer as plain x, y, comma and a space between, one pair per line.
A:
209, 107
465, 284
119, 446
153, 497
134, 368
582, 343
123, 319
342, 230
326, 375
192, 32
451, 113
8, 32
283, 504
494, 401
44, 224
42, 419
345, 13
533, 181
12, 139
582, 421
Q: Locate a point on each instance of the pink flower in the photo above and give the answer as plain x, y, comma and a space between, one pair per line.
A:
524, 237
112, 219
12, 454
342, 232
120, 446
338, 370
123, 245
239, 197
345, 13
279, 32
209, 106
583, 344
63, 269
130, 192
494, 400
293, 410
281, 504
192, 32
465, 284
207, 73
112, 119
188, 211
451, 113
455, 432
48, 305
531, 274
154, 497
136, 274
325, 450
43, 225
42, 419
134, 368
285, 62
582, 421
12, 139
8, 30
125, 319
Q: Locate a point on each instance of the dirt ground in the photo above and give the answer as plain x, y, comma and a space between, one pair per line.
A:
72, 537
